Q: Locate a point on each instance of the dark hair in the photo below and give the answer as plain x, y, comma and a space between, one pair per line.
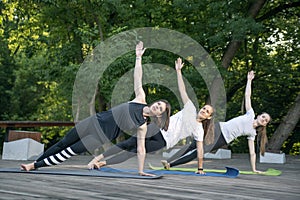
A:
209, 127
163, 121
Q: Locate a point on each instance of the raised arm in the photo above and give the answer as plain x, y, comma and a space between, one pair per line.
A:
138, 74
140, 97
181, 86
248, 90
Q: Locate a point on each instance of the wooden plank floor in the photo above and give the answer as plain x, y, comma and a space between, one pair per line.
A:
39, 186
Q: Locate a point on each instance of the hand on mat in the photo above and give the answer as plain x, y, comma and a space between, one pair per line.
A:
100, 164
259, 172
200, 172
92, 164
96, 165
145, 174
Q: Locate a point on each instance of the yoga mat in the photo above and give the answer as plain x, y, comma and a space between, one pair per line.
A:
83, 172
269, 172
228, 173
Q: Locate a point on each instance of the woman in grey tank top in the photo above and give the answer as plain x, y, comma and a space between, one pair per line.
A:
103, 127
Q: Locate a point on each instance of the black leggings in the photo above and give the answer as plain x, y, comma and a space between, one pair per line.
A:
189, 152
72, 144
128, 148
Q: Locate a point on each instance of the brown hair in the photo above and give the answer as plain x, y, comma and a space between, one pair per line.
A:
262, 136
208, 126
163, 121
209, 133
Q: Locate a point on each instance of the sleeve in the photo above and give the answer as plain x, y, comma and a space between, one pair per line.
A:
199, 133
189, 105
189, 119
251, 115
189, 114
189, 110
252, 137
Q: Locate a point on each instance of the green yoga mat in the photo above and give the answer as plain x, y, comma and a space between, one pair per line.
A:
269, 172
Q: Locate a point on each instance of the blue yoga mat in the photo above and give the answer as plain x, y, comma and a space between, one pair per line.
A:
120, 173
82, 172
230, 172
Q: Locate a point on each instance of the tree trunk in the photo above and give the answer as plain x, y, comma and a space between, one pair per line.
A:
285, 127
234, 45
230, 52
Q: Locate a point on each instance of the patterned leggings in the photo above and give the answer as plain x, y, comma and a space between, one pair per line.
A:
72, 144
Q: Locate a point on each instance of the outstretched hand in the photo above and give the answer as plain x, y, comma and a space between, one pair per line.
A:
139, 49
251, 75
178, 64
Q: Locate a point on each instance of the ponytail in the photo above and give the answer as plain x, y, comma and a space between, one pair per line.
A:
262, 134
209, 130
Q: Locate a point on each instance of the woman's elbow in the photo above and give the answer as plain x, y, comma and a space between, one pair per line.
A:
141, 151
252, 154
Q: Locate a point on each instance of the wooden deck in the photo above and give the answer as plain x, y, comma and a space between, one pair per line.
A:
38, 186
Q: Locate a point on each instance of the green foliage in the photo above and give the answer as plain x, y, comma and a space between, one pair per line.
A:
43, 43
295, 150
239, 144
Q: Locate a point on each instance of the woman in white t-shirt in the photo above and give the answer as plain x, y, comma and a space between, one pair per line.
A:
185, 123
225, 132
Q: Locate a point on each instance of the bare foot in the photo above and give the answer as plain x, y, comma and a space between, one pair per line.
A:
96, 164
27, 167
100, 164
165, 164
92, 164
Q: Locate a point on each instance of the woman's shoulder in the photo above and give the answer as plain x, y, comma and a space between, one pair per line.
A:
250, 111
189, 104
137, 102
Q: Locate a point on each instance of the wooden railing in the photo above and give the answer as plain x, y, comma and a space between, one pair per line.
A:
8, 125
26, 124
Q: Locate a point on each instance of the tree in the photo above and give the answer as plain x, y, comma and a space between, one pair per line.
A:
286, 126
43, 44
234, 45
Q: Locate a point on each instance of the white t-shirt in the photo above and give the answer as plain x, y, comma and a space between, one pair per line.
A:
238, 126
182, 125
